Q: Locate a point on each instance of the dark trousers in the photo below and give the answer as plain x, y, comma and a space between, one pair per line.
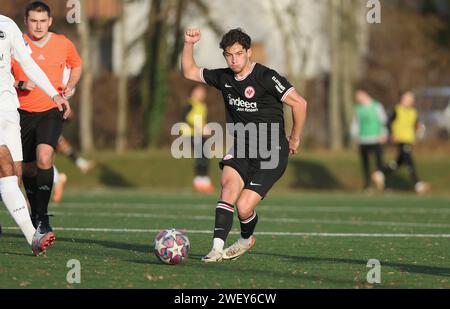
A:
404, 157
365, 151
201, 165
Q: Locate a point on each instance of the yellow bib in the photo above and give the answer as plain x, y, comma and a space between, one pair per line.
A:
198, 110
404, 125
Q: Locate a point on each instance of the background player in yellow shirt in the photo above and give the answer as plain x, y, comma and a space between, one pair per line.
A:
404, 124
196, 109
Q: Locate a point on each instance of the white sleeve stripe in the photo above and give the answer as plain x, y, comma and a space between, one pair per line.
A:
287, 93
201, 75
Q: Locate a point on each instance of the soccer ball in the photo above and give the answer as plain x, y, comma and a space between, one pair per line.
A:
171, 246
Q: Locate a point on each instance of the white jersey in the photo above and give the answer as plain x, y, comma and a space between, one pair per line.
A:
12, 44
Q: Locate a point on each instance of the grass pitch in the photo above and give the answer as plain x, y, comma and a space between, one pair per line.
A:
304, 240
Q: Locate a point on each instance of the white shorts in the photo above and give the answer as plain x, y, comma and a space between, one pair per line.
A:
10, 133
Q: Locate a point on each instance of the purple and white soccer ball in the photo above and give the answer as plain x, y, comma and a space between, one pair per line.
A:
171, 246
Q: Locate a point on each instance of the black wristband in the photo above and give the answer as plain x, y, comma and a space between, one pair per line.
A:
20, 85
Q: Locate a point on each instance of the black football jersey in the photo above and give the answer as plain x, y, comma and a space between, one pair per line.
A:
256, 98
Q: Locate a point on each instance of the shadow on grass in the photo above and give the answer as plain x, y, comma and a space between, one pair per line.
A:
154, 261
127, 246
112, 179
418, 269
312, 175
11, 235
235, 268
147, 249
398, 182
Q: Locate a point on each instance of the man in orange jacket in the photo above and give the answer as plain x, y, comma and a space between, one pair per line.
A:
41, 122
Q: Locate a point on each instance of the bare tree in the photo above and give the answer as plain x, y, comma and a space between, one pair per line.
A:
346, 54
350, 58
86, 108
204, 9
335, 119
288, 57
178, 34
286, 38
122, 109
155, 72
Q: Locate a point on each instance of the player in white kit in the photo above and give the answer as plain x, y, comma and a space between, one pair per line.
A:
12, 44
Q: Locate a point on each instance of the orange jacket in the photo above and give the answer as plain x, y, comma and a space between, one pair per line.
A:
57, 53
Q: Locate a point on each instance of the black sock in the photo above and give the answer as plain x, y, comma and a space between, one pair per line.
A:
30, 184
248, 225
45, 186
224, 220
72, 155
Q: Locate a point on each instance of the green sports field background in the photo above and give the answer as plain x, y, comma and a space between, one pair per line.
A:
306, 238
310, 171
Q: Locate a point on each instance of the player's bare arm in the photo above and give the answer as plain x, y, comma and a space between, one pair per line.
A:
299, 107
28, 85
190, 69
75, 75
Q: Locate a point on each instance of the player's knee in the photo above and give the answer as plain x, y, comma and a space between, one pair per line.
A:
45, 161
227, 183
6, 163
229, 195
244, 210
4, 157
244, 207
6, 170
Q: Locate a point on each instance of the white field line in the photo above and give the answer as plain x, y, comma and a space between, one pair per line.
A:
294, 234
276, 208
272, 220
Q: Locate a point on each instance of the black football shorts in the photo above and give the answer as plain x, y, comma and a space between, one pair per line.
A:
256, 178
39, 128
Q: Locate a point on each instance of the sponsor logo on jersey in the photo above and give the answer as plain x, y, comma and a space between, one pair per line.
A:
242, 106
2, 35
249, 92
280, 88
41, 57
228, 86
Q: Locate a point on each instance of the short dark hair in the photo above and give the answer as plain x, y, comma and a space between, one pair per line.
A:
236, 36
362, 86
37, 6
404, 91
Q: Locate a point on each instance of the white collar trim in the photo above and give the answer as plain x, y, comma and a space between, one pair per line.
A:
239, 79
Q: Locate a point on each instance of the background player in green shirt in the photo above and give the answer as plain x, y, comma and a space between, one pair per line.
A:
369, 130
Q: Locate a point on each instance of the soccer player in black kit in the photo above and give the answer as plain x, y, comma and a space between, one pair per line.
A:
253, 96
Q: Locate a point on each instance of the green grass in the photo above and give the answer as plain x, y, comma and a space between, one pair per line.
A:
327, 171
125, 260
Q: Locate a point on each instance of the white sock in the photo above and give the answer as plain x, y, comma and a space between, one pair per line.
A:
81, 163
17, 205
55, 175
218, 244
